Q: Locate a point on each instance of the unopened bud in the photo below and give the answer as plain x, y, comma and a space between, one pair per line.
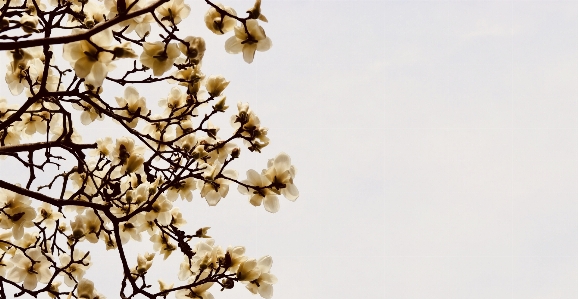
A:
235, 153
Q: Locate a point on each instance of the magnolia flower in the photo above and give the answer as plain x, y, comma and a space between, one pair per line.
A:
155, 57
17, 213
195, 50
37, 122
163, 286
213, 188
206, 257
216, 84
29, 23
257, 196
124, 51
162, 244
132, 102
74, 267
89, 62
93, 13
144, 262
128, 230
237, 255
92, 225
173, 12
30, 273
193, 78
161, 211
53, 287
86, 290
124, 149
5, 263
177, 217
183, 189
16, 78
218, 23
248, 271
248, 44
252, 130
176, 100
11, 136
264, 283
47, 215
103, 147
140, 24
281, 173
89, 113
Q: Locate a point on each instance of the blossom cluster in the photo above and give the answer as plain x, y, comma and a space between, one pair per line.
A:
112, 191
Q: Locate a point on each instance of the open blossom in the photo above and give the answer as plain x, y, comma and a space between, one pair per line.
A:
255, 135
258, 196
30, 273
89, 62
47, 215
213, 188
161, 211
281, 172
140, 24
17, 213
192, 79
196, 49
133, 103
156, 58
162, 244
264, 283
217, 24
183, 188
248, 44
74, 267
173, 12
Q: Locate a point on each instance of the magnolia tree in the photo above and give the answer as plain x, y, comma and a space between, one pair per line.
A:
62, 56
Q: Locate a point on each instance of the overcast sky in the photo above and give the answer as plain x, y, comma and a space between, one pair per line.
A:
436, 144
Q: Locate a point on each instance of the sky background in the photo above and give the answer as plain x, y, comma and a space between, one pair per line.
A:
436, 144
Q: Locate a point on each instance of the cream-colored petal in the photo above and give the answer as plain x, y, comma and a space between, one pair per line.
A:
213, 198
83, 66
233, 45
249, 52
266, 290
282, 162
271, 203
265, 263
264, 44
290, 192
30, 281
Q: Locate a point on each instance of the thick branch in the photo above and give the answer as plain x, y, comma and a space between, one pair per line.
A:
82, 36
40, 145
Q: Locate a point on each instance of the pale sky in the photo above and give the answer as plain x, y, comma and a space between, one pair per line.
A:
436, 144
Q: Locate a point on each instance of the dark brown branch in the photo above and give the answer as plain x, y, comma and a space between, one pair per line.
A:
81, 36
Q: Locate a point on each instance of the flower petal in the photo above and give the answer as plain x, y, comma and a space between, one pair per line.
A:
271, 203
233, 45
249, 52
264, 45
